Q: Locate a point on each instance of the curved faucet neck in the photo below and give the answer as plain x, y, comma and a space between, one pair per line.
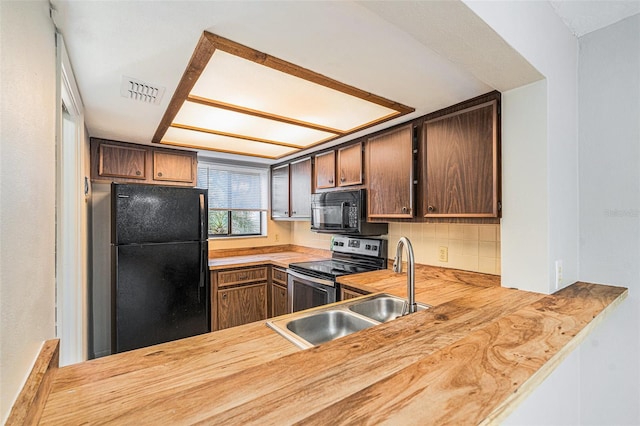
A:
397, 267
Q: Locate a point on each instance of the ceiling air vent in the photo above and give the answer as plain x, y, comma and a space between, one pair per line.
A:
140, 91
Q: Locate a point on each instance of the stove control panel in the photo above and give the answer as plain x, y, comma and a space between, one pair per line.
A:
364, 246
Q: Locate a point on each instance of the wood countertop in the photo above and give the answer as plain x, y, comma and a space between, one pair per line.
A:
468, 360
282, 259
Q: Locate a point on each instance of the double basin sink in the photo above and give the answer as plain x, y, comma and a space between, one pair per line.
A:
310, 328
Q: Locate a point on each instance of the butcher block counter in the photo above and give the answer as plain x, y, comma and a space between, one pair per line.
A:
469, 359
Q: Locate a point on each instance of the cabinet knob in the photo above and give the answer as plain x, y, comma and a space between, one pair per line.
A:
224, 296
342, 179
431, 208
286, 212
330, 180
405, 210
159, 174
138, 172
293, 212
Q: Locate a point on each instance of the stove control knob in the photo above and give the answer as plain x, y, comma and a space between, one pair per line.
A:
367, 247
374, 247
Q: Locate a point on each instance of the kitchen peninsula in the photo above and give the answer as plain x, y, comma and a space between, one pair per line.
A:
469, 359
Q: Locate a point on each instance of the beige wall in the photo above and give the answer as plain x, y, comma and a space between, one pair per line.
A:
471, 247
27, 190
278, 232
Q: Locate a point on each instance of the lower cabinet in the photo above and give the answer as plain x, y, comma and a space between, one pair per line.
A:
279, 294
350, 293
239, 296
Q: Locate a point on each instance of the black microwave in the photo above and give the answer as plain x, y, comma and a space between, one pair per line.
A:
343, 212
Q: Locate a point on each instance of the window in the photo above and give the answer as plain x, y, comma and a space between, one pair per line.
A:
237, 199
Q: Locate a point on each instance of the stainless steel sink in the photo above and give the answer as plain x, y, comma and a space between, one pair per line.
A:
309, 328
328, 325
383, 308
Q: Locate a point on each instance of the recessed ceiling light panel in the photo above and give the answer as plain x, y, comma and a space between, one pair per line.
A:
235, 99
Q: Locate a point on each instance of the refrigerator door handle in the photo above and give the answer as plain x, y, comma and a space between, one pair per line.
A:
205, 264
203, 218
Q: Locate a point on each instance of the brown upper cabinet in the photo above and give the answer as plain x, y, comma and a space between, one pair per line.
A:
301, 188
390, 174
341, 169
118, 161
280, 192
325, 172
291, 190
461, 158
350, 165
173, 166
125, 162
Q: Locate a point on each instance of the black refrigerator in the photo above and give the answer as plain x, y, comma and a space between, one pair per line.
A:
159, 260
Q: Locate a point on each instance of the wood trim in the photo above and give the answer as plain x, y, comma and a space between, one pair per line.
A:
233, 135
199, 60
30, 403
262, 114
245, 52
226, 151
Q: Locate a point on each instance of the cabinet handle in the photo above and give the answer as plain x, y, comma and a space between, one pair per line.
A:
330, 180
405, 210
224, 296
431, 208
342, 179
159, 174
138, 172
286, 212
242, 277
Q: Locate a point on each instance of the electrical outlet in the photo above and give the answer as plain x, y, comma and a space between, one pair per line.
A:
558, 274
443, 254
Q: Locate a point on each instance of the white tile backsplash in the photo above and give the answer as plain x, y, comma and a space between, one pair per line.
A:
475, 248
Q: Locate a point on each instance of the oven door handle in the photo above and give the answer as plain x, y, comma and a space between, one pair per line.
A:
312, 279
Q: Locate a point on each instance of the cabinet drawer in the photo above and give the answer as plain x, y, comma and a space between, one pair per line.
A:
350, 293
241, 276
280, 276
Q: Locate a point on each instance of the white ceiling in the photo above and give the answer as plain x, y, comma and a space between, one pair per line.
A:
423, 54
583, 17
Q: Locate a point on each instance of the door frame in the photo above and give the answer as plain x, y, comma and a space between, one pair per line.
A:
71, 222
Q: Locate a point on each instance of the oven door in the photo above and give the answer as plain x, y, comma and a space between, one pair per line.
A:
308, 292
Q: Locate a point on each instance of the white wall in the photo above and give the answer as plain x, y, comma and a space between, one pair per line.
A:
538, 34
27, 190
602, 163
525, 253
609, 132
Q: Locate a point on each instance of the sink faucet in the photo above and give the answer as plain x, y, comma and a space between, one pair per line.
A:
411, 268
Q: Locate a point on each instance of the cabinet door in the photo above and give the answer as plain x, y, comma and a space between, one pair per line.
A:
174, 167
280, 191
390, 174
350, 165
279, 300
122, 162
326, 170
301, 188
348, 293
462, 163
242, 305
